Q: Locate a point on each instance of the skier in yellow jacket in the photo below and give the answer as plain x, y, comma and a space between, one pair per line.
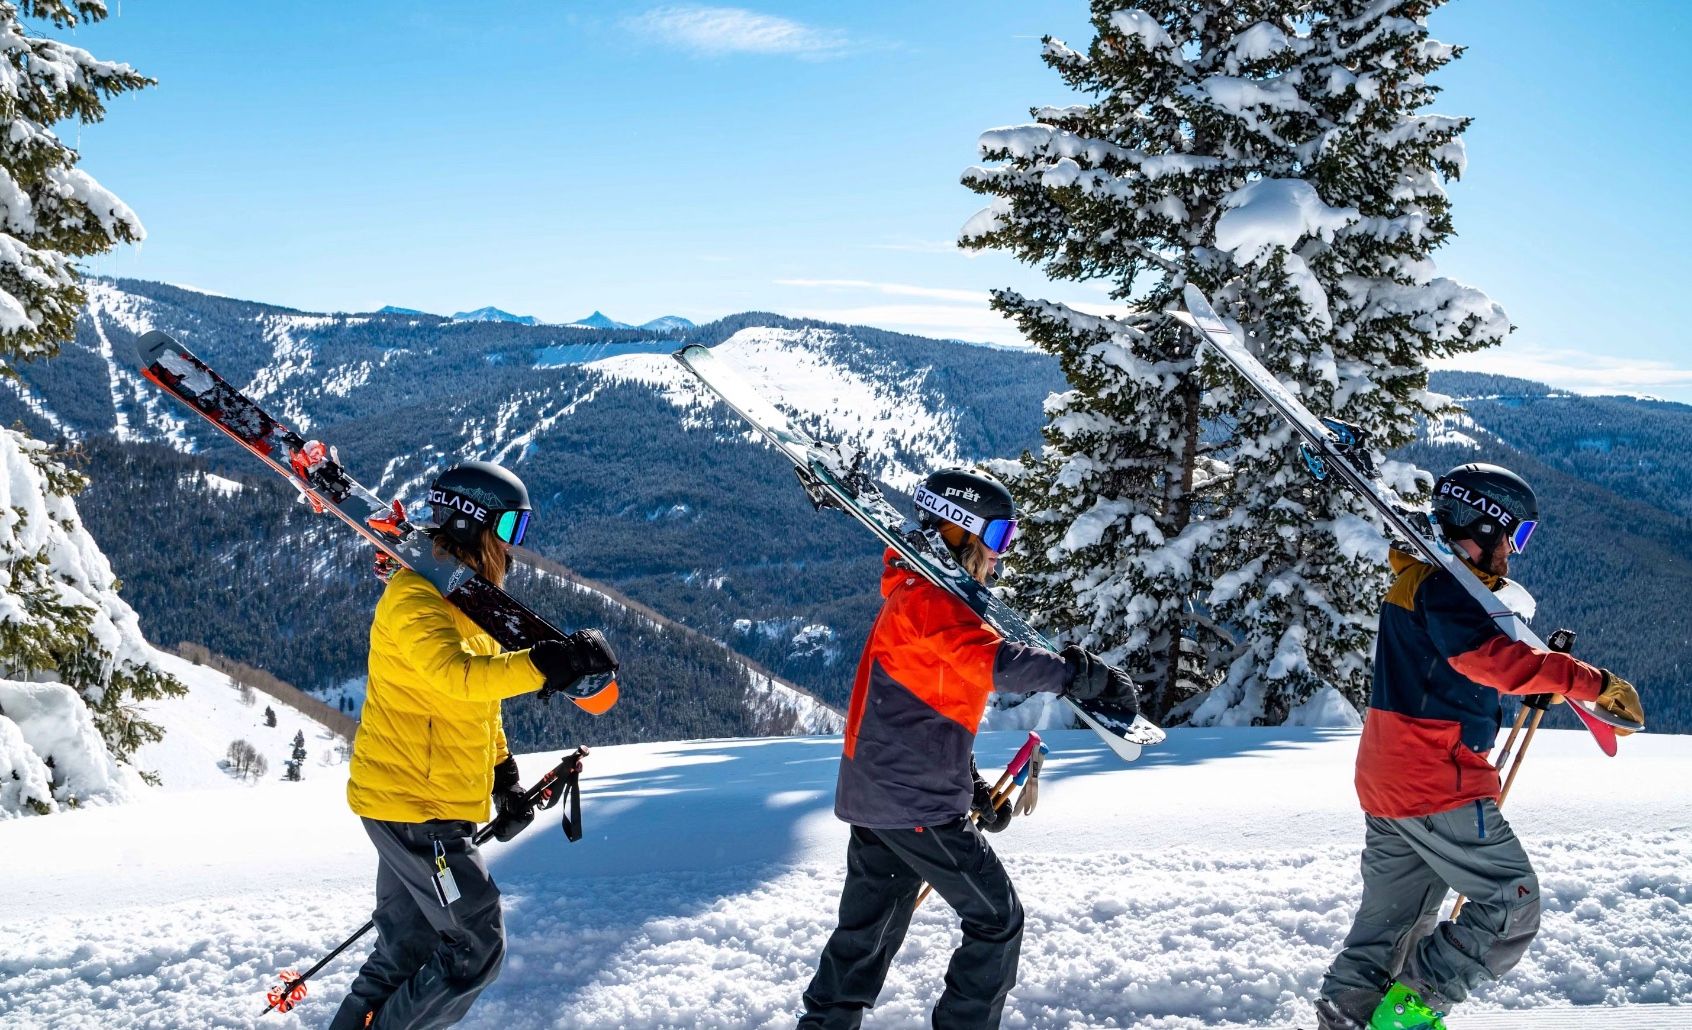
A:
431, 754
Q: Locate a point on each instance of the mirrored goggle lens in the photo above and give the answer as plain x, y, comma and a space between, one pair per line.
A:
998, 535
1519, 539
512, 526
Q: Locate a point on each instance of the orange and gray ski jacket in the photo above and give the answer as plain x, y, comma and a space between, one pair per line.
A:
922, 685
1440, 665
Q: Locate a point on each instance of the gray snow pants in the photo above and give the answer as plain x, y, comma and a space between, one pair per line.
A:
1407, 866
430, 961
884, 871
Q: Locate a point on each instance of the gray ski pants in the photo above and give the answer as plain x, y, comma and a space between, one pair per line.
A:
430, 961
1407, 866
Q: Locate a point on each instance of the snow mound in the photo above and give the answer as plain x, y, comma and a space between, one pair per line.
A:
51, 755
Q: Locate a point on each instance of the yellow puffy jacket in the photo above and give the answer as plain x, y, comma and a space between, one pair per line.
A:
430, 734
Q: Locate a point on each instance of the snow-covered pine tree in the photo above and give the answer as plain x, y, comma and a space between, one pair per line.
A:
1276, 154
60, 616
51, 211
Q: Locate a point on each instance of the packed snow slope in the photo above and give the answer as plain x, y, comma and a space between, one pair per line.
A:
200, 726
1206, 885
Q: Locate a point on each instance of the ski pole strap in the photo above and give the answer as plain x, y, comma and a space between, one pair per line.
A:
571, 817
563, 784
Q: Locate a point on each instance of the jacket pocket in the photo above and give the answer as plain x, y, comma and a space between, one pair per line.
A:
429, 750
1457, 764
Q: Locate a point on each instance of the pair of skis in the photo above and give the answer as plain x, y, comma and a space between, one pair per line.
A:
833, 480
315, 470
1332, 449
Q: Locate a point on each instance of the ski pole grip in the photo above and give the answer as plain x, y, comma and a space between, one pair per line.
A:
1019, 761
1028, 767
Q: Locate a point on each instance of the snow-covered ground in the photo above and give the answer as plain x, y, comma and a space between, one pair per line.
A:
1205, 885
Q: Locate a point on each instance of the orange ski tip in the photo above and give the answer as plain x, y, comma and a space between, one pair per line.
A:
599, 703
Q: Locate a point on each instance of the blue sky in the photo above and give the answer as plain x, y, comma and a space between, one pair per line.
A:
556, 156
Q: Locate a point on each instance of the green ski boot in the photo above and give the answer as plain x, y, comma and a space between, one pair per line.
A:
1403, 1009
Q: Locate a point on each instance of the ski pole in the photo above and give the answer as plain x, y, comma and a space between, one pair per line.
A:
1000, 794
1562, 640
560, 783
1510, 741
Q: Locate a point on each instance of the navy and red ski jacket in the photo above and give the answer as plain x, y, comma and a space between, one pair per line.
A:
921, 688
1440, 665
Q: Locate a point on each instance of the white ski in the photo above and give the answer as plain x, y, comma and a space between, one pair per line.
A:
831, 479
1331, 445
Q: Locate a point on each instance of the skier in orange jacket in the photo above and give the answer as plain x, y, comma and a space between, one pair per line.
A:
907, 781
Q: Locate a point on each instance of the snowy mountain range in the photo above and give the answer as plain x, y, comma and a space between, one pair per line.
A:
597, 320
647, 489
664, 324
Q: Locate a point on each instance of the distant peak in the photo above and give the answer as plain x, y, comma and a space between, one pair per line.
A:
493, 314
599, 320
666, 323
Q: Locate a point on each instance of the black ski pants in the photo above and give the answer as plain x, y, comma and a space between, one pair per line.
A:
884, 871
430, 960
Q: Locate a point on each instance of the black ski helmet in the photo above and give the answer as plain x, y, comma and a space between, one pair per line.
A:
971, 500
473, 495
1486, 504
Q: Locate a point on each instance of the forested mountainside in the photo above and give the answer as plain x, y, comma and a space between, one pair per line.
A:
643, 487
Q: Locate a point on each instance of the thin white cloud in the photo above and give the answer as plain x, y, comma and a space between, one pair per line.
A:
1578, 371
891, 289
946, 321
720, 31
925, 247
949, 314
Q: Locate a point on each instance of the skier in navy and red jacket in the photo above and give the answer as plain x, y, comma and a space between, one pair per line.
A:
1429, 793
907, 782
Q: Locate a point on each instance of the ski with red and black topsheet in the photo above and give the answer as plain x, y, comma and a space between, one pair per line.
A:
315, 471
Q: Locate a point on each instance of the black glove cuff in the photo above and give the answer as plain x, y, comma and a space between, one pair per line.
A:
505, 775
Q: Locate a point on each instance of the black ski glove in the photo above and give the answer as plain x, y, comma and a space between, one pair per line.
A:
514, 812
1091, 679
564, 662
991, 819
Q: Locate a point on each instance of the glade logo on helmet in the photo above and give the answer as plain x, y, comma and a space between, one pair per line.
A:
1485, 505
965, 492
458, 502
932, 502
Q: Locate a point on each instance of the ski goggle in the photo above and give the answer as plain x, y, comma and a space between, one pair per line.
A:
1519, 539
997, 534
512, 526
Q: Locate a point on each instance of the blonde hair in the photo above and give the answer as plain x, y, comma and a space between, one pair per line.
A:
488, 555
974, 556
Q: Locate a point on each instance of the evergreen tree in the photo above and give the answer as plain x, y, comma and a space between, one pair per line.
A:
297, 759
63, 617
1277, 155
51, 212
